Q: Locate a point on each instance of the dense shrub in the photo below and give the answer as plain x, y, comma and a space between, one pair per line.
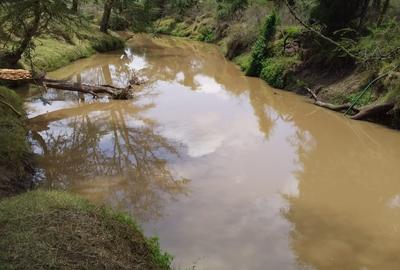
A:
260, 50
206, 34
275, 69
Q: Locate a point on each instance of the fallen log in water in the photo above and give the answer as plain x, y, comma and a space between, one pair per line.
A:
330, 106
373, 111
94, 90
363, 113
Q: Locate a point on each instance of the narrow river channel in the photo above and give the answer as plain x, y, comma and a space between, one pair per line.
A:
226, 171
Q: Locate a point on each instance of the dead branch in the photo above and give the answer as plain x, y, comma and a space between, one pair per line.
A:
333, 107
11, 107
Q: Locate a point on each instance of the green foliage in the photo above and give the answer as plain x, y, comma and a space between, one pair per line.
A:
275, 69
380, 43
118, 23
57, 230
180, 6
25, 19
206, 34
227, 8
51, 53
13, 145
292, 31
366, 99
336, 14
165, 25
243, 61
160, 258
260, 50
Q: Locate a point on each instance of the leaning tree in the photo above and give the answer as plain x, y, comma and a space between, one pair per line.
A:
23, 20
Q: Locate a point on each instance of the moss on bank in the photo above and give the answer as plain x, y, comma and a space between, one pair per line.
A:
56, 230
14, 148
54, 51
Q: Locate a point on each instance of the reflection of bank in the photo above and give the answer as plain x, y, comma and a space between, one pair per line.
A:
345, 214
109, 153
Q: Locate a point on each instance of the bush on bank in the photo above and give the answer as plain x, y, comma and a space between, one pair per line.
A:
14, 148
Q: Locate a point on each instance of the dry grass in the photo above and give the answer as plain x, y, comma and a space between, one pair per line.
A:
56, 230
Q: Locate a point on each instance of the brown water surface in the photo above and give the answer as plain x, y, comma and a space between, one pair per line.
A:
228, 172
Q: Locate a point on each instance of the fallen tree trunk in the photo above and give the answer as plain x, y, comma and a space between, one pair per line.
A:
363, 113
114, 92
373, 111
94, 90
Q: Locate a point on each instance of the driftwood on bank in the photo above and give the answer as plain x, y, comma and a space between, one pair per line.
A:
94, 90
373, 111
363, 113
330, 106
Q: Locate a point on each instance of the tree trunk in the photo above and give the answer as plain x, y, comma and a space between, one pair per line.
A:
383, 12
108, 5
376, 6
30, 32
75, 6
363, 14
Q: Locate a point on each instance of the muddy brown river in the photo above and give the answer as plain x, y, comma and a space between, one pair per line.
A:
226, 171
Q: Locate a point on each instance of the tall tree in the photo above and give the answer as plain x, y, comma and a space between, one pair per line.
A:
105, 20
25, 19
75, 6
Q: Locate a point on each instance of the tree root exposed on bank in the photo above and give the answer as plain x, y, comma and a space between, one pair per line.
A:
94, 90
363, 113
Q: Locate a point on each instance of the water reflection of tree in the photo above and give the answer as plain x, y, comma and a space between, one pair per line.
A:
111, 153
342, 215
345, 211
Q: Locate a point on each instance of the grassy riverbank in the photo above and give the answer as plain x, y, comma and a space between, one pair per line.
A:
57, 50
291, 57
57, 230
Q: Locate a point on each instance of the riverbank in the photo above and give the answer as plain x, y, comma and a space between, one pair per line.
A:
292, 59
16, 170
55, 229
55, 51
